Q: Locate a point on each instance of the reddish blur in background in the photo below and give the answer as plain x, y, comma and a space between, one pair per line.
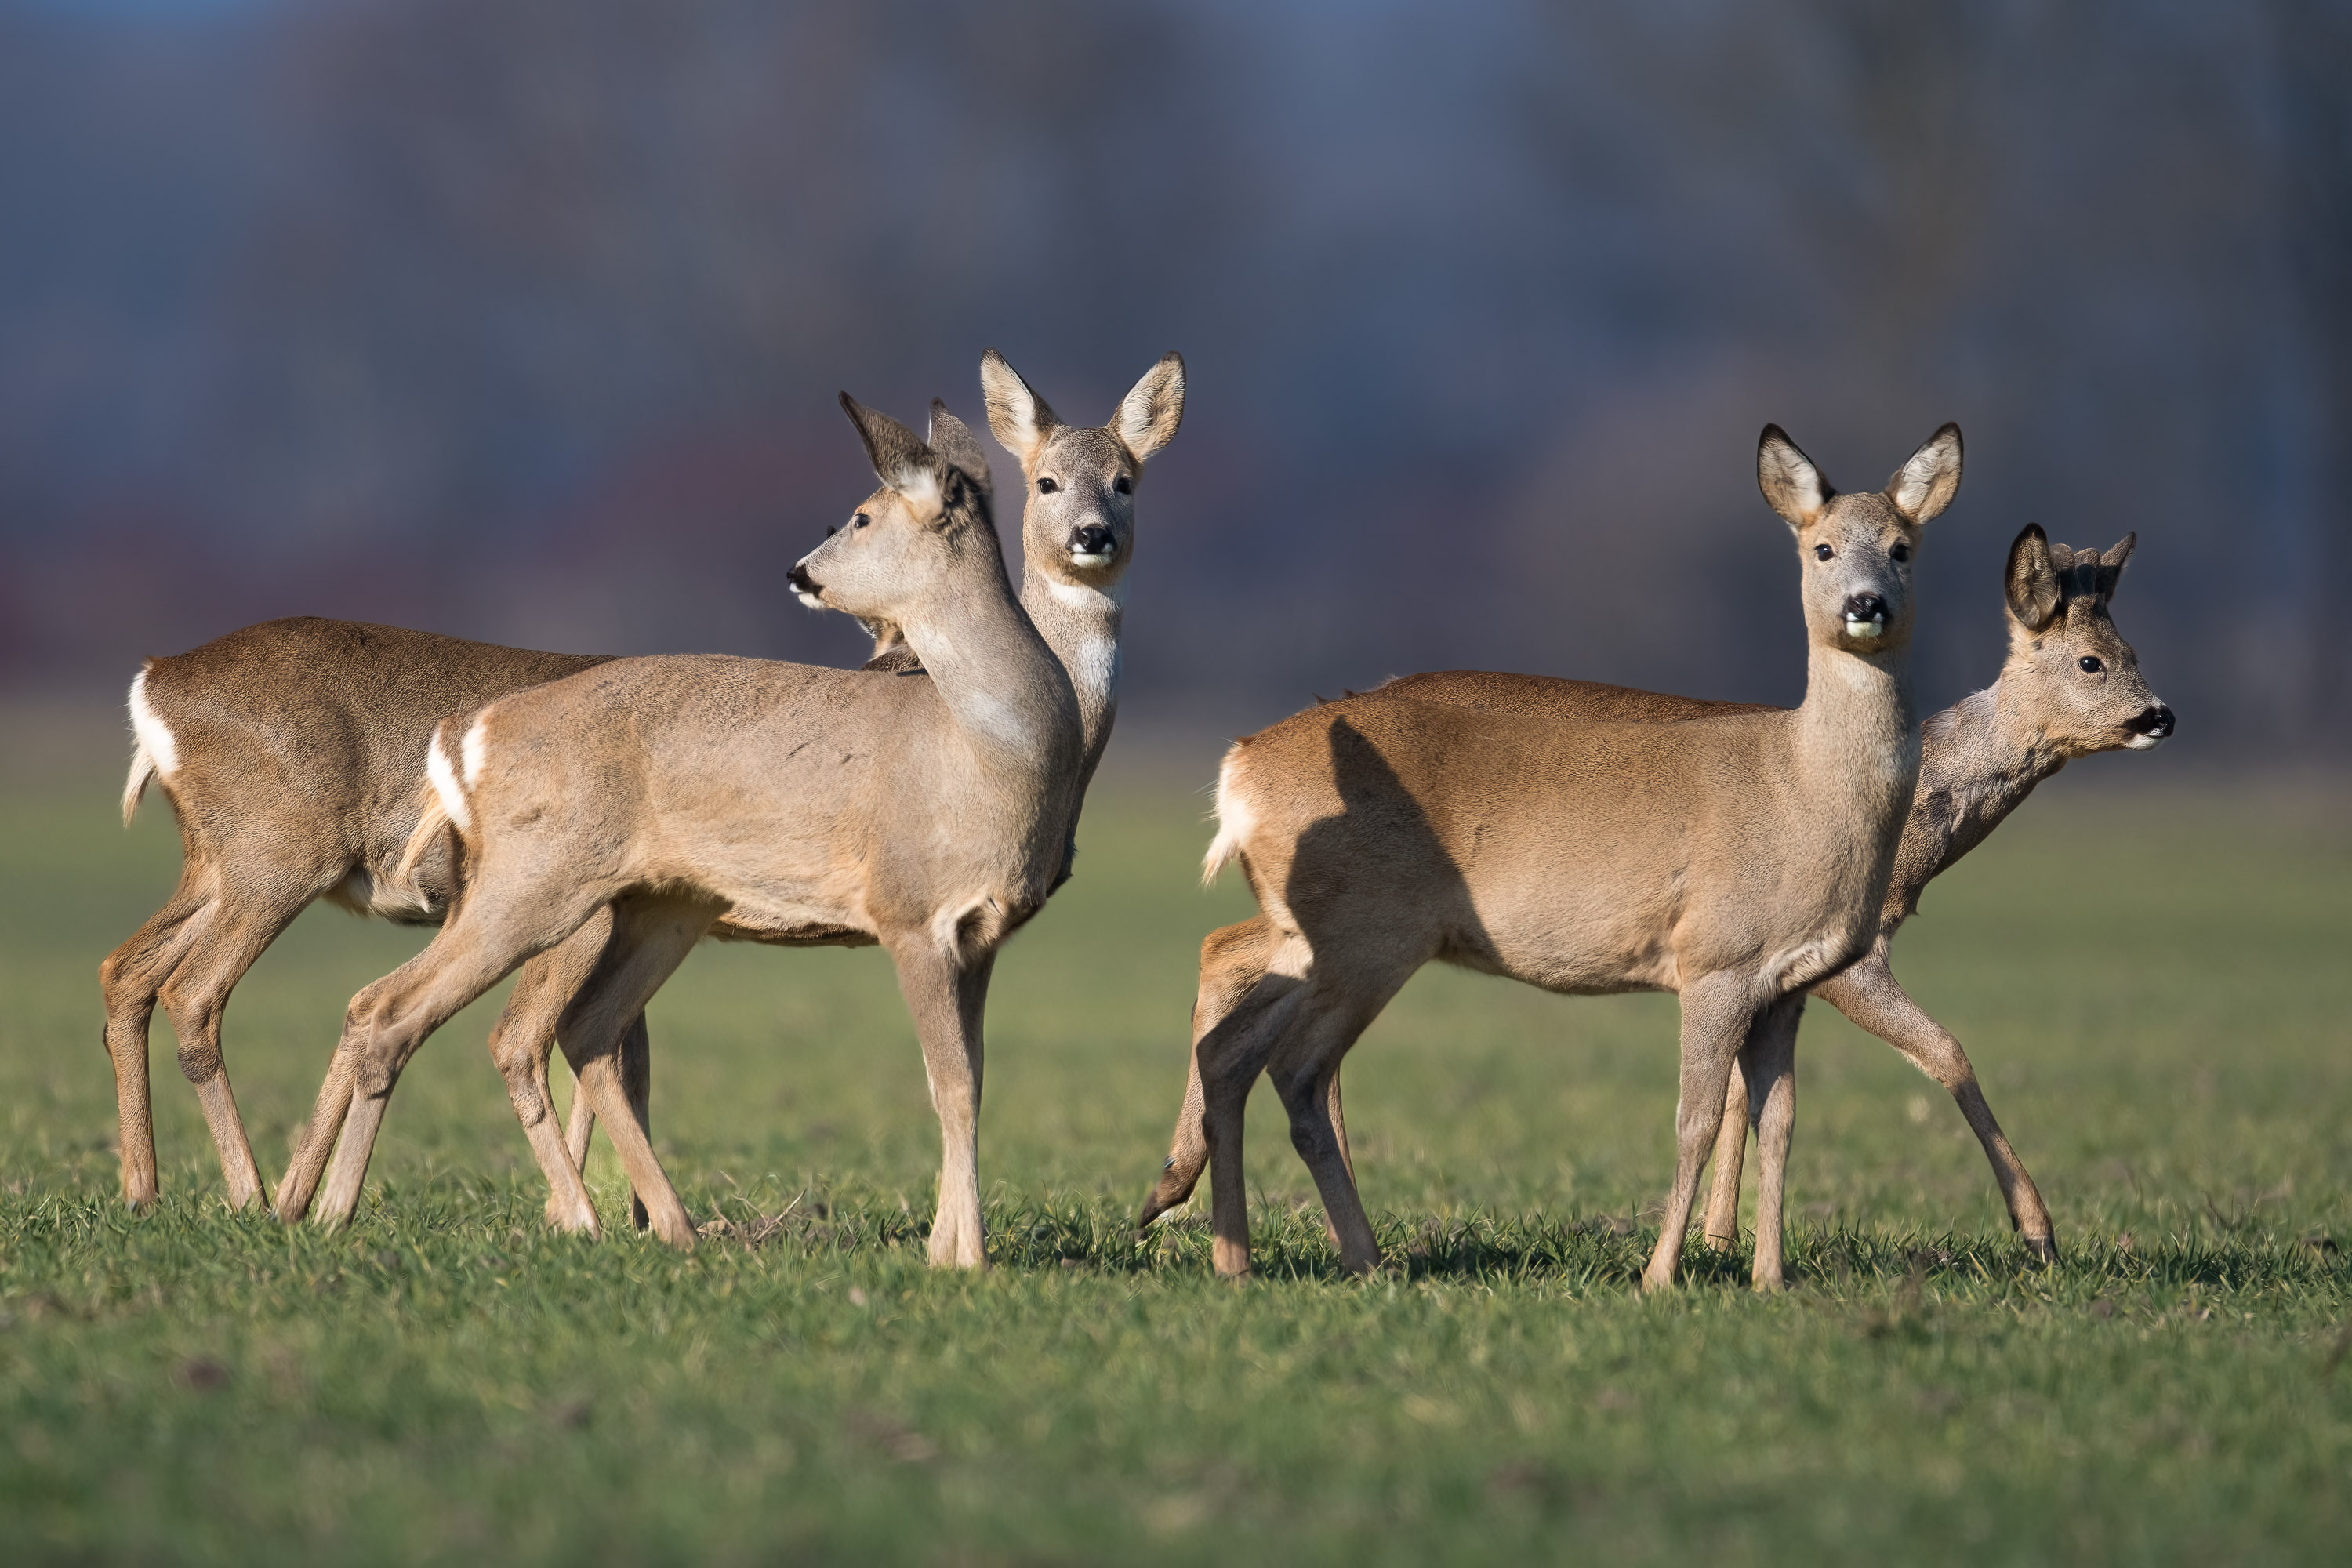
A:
522, 318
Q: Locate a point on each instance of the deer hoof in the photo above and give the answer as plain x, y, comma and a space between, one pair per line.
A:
2042, 1250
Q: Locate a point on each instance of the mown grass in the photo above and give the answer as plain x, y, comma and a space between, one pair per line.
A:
2153, 985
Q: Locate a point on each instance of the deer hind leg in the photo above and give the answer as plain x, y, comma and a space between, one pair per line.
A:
131, 980
1730, 1155
520, 1044
1868, 993
1717, 1014
1229, 1059
236, 934
1305, 1073
650, 938
1233, 960
1770, 1062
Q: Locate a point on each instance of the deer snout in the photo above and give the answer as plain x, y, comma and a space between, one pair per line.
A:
809, 589
1092, 545
2150, 728
1865, 615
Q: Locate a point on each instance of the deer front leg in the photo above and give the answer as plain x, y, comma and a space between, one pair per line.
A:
1769, 1064
1717, 1013
948, 1002
1867, 992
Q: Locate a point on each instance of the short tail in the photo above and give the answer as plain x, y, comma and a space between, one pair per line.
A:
1232, 819
443, 812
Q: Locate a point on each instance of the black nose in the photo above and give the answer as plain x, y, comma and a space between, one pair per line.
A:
1864, 608
2156, 722
1092, 540
801, 581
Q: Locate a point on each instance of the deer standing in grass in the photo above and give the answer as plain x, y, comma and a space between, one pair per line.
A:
798, 806
292, 753
1735, 858
2071, 686
1078, 538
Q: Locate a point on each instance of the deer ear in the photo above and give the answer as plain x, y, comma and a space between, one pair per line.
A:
953, 439
1791, 485
2032, 583
1926, 484
901, 459
1017, 416
1151, 412
2111, 565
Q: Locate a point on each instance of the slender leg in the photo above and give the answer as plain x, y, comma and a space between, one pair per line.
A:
194, 997
1717, 1012
949, 1001
650, 939
1305, 1073
520, 1044
1867, 992
1233, 960
1770, 1069
1730, 1153
130, 979
1228, 1060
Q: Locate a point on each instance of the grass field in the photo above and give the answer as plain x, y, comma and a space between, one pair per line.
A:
2153, 985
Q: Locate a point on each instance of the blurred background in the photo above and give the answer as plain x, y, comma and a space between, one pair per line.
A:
522, 319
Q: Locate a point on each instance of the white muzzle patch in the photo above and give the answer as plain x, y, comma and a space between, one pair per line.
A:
1864, 631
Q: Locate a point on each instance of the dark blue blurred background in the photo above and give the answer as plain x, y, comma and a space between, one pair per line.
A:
522, 319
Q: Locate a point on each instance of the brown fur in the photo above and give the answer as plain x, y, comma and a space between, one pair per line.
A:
1733, 856
794, 804
1979, 760
299, 752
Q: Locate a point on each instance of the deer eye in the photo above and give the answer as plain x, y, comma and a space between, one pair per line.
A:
1823, 552
859, 521
1901, 552
2090, 663
1123, 485
1047, 487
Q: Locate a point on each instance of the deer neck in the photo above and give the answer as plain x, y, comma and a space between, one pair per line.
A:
1005, 693
1081, 624
1983, 755
1858, 749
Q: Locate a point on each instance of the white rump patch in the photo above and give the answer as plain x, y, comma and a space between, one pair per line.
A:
1233, 822
444, 779
154, 736
473, 750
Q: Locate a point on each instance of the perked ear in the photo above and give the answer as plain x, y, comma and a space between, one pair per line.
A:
953, 439
1925, 484
1017, 416
901, 459
1791, 485
2032, 584
2111, 565
1151, 412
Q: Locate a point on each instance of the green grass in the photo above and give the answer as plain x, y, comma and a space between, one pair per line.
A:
2153, 986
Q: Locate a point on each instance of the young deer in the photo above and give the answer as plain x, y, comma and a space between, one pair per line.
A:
1077, 536
1735, 857
796, 805
2070, 688
292, 753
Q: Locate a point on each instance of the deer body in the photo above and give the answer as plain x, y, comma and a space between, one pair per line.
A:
1735, 857
792, 804
292, 753
1979, 760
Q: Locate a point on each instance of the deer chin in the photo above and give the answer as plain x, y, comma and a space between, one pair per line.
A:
1093, 558
2139, 742
1864, 631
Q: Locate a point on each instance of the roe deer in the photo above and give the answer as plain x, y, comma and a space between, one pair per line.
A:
292, 753
1735, 857
2071, 686
1077, 536
798, 806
